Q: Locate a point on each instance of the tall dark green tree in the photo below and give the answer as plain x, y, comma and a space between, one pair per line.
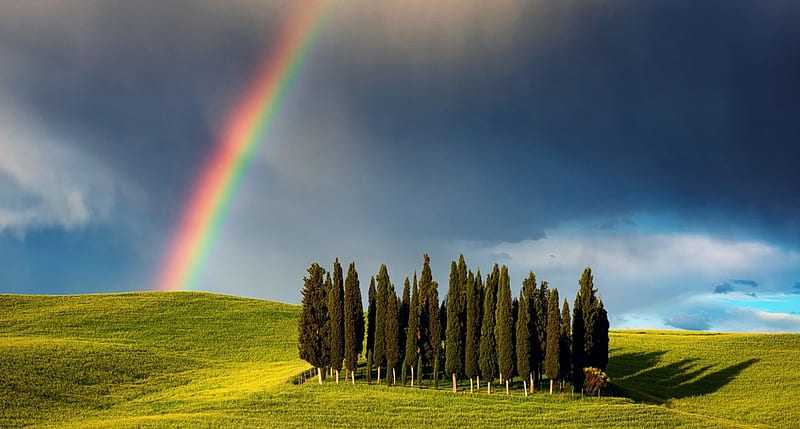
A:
583, 330
313, 320
488, 346
437, 327
504, 328
371, 298
599, 352
552, 358
405, 305
578, 353
336, 319
454, 346
392, 334
535, 355
473, 330
412, 331
353, 321
432, 335
523, 337
381, 315
541, 325
565, 339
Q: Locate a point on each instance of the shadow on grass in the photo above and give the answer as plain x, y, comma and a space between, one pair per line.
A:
637, 376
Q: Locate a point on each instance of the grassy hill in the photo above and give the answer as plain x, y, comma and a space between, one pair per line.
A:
188, 359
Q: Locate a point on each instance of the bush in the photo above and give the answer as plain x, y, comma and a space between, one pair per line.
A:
594, 380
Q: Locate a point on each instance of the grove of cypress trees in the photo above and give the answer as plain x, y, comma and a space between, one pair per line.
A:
336, 319
392, 333
353, 321
523, 336
473, 330
313, 318
552, 359
504, 328
454, 347
381, 314
488, 345
565, 355
412, 331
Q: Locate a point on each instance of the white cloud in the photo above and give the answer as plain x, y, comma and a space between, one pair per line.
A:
656, 280
45, 181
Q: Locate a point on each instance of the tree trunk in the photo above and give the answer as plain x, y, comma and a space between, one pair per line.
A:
525, 387
478, 379
337, 376
379, 374
455, 387
394, 377
489, 387
551, 386
353, 375
412, 376
532, 383
470, 385
501, 378
319, 375
507, 392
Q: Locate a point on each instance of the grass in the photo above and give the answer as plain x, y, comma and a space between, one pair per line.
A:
190, 359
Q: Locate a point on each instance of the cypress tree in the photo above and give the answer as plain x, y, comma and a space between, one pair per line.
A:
336, 319
405, 305
577, 343
412, 331
599, 358
432, 336
552, 359
583, 336
313, 318
473, 330
436, 330
454, 346
392, 333
488, 345
504, 328
565, 355
353, 321
381, 315
535, 352
523, 336
371, 317
541, 325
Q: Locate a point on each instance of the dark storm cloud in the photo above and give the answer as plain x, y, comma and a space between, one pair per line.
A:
796, 288
723, 288
621, 114
477, 122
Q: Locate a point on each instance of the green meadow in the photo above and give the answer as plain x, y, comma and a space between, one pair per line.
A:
186, 359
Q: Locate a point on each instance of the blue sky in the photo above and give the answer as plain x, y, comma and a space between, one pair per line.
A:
654, 141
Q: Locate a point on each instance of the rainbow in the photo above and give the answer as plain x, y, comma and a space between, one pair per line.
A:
246, 129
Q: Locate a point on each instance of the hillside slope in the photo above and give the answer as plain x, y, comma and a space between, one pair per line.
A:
186, 359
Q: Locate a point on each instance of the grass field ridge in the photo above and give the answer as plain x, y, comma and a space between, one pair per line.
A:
195, 359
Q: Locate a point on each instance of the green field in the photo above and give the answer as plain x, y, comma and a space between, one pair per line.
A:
190, 359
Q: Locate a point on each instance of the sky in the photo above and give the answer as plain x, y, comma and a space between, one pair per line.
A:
655, 141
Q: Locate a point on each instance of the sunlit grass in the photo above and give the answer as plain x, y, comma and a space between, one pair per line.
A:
203, 360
